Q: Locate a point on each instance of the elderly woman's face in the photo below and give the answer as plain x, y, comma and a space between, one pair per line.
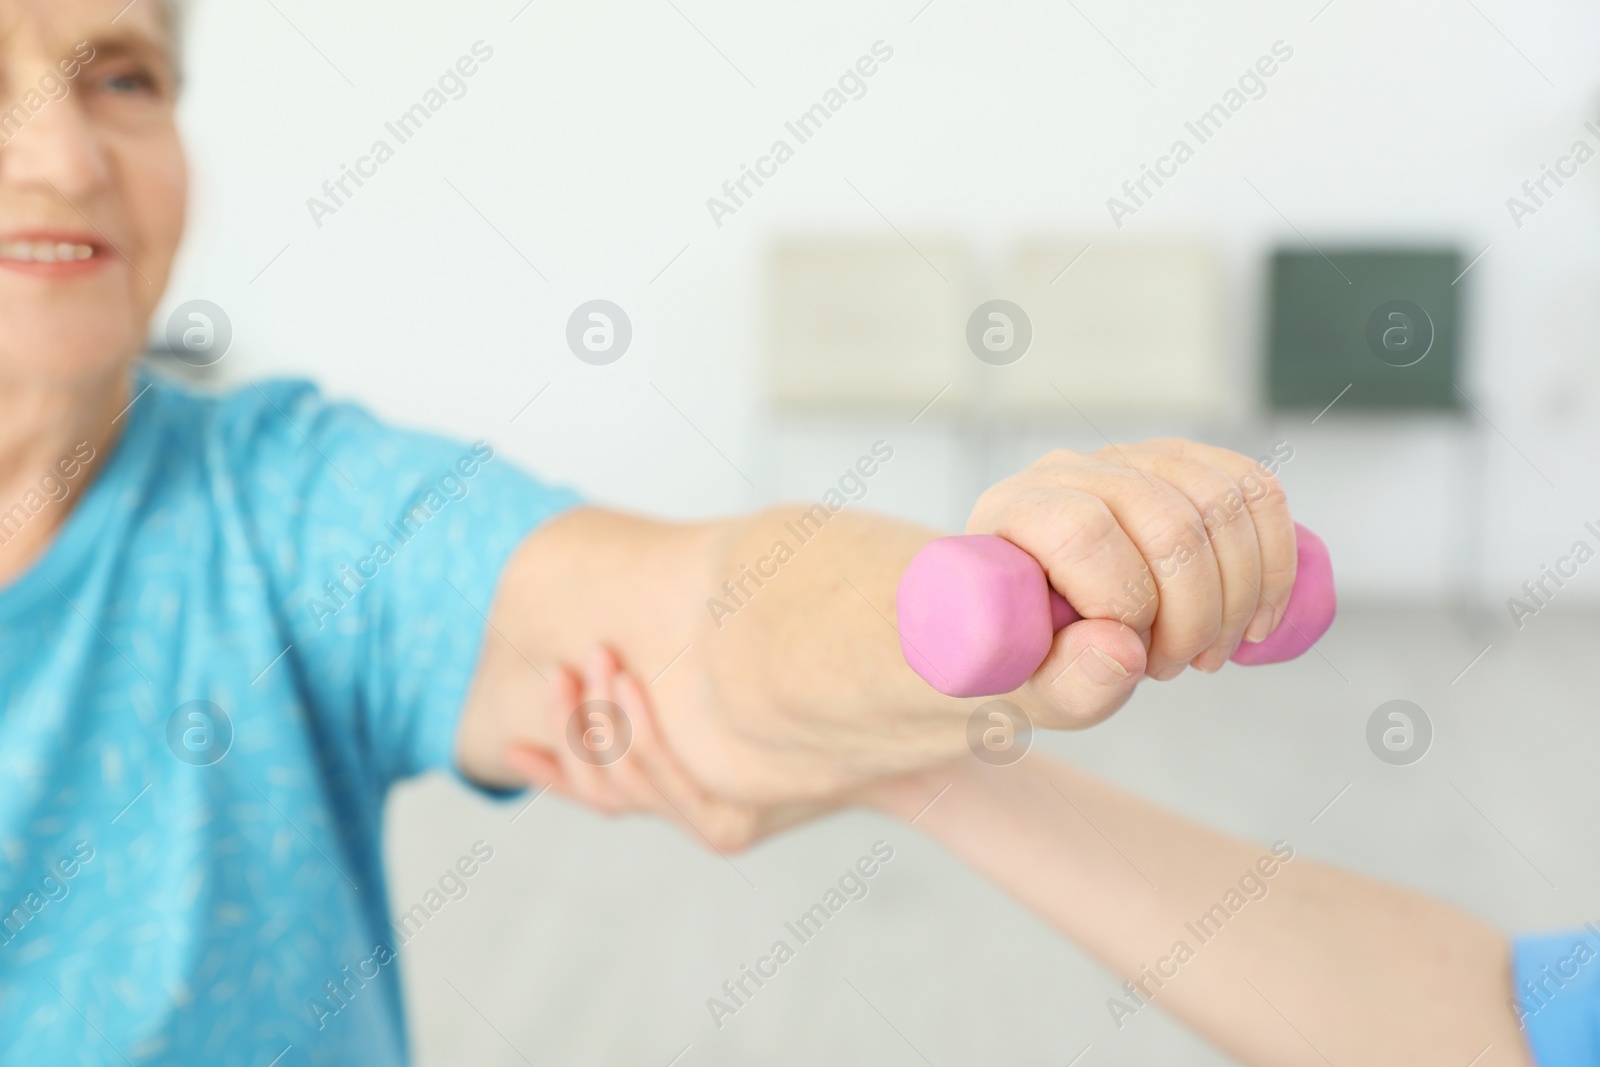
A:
92, 184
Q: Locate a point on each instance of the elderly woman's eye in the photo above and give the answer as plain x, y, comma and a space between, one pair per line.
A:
132, 82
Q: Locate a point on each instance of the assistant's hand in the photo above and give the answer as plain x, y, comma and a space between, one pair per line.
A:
645, 778
1173, 552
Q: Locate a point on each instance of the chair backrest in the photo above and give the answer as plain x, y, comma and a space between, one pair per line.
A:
855, 322
1119, 328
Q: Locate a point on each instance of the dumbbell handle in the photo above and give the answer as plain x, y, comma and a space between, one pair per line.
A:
977, 615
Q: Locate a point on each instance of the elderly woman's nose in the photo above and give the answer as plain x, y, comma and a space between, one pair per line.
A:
59, 147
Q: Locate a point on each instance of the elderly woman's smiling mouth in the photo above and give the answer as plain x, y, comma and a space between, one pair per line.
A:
52, 254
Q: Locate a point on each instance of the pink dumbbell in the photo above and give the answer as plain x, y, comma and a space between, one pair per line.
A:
977, 614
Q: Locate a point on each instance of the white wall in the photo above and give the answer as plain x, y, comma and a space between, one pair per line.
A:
594, 136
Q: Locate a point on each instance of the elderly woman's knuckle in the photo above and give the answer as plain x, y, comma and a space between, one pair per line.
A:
1221, 507
1061, 457
1238, 615
1279, 576
1088, 525
1171, 530
1195, 640
1264, 491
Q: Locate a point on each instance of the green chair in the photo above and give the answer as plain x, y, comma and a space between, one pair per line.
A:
1376, 329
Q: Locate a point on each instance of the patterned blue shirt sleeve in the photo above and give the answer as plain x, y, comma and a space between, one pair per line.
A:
1557, 979
385, 548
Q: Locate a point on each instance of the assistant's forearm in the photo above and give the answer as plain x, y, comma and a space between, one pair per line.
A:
1307, 965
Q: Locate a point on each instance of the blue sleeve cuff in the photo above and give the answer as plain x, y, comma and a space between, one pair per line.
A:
473, 593
1557, 979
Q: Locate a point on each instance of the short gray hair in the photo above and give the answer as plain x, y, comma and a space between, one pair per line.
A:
175, 13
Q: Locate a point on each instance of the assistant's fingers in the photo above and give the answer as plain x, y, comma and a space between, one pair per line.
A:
676, 795
541, 770
724, 825
632, 772
579, 738
1091, 671
657, 762
536, 766
1230, 530
1269, 512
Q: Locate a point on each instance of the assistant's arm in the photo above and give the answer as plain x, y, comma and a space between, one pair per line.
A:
1274, 957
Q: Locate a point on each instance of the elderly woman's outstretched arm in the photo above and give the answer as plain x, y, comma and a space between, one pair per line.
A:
768, 641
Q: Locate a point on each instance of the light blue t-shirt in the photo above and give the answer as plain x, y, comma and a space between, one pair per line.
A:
263, 610
1557, 978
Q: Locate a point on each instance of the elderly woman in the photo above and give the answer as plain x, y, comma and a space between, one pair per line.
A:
228, 624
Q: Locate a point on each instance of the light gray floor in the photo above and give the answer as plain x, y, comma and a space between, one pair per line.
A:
586, 941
